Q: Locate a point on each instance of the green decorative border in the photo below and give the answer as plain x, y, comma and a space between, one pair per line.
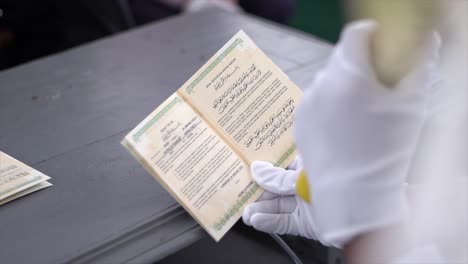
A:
231, 47
139, 133
38, 177
235, 208
285, 155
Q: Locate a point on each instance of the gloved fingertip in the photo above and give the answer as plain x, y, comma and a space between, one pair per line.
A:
259, 164
257, 222
246, 215
257, 167
263, 223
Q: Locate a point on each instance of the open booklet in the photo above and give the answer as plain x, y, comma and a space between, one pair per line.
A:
18, 179
200, 142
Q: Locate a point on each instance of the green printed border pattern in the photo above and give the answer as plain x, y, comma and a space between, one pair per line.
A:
139, 133
235, 208
285, 155
231, 47
37, 177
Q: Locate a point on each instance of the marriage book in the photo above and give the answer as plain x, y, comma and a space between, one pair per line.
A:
200, 142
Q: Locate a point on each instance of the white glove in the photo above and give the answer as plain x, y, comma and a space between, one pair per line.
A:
279, 210
357, 138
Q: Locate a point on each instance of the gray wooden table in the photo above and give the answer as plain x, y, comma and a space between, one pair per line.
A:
66, 114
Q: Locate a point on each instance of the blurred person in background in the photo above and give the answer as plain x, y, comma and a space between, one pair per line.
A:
277, 10
31, 29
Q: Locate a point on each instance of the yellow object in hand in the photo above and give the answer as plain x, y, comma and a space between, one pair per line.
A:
302, 187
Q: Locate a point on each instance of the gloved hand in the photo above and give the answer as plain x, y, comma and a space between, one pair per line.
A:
357, 138
279, 210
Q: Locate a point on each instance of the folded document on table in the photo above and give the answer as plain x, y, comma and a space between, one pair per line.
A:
18, 179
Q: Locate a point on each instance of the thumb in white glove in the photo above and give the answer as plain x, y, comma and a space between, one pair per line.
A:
279, 210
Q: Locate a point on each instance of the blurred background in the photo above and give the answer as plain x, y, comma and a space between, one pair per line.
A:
30, 29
